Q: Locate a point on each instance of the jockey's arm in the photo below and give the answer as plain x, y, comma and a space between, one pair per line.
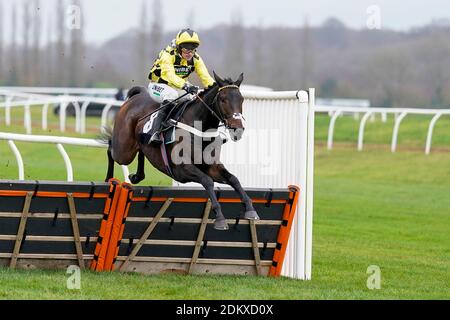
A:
203, 73
168, 71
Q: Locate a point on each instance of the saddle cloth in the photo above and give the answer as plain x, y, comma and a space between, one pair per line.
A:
168, 128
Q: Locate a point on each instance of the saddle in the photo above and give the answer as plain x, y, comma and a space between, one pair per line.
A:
170, 123
167, 124
175, 113
168, 127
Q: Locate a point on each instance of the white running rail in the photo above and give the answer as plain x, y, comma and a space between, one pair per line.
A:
59, 142
44, 101
399, 113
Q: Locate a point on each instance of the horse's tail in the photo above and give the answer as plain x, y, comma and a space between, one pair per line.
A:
136, 90
106, 136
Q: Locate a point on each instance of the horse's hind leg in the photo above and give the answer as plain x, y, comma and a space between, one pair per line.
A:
140, 174
222, 175
110, 172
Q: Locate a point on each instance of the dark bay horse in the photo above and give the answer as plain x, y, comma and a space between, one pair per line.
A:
221, 103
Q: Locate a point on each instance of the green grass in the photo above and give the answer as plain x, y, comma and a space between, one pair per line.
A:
370, 208
89, 164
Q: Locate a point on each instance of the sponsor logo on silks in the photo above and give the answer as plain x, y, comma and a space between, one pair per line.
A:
156, 93
182, 70
157, 88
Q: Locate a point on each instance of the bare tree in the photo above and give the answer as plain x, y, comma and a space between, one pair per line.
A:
234, 45
35, 58
142, 45
49, 53
389, 72
190, 20
1, 43
156, 32
281, 67
434, 53
26, 37
306, 57
60, 58
13, 72
257, 74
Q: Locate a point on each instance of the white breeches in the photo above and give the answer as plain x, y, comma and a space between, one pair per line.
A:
161, 92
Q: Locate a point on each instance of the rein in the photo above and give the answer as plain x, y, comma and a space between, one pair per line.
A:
219, 117
162, 106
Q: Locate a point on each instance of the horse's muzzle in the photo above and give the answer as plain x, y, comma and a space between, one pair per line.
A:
236, 126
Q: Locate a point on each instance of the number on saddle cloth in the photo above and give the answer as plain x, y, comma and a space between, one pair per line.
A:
148, 126
153, 125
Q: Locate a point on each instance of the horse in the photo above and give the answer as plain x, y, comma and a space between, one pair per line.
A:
219, 103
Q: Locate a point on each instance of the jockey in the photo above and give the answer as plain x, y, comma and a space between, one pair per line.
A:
169, 72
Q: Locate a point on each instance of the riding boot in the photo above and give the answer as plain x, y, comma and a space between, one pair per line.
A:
158, 123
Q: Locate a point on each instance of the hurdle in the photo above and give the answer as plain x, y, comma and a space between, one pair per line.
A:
47, 224
117, 227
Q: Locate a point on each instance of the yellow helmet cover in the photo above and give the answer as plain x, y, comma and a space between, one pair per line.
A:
187, 36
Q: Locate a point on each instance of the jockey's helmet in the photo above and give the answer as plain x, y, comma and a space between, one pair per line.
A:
188, 39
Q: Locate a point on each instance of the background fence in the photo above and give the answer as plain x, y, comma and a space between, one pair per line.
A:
399, 114
82, 98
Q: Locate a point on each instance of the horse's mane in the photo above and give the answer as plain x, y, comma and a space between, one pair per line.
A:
228, 81
207, 92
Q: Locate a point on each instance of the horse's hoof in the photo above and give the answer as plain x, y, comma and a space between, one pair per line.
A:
135, 179
251, 215
220, 224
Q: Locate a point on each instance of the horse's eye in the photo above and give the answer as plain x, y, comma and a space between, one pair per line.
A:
222, 100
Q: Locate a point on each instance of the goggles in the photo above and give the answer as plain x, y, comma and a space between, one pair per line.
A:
186, 50
188, 47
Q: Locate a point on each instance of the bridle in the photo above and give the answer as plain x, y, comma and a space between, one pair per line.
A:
215, 103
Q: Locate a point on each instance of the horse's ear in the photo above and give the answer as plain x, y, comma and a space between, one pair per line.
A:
219, 81
239, 80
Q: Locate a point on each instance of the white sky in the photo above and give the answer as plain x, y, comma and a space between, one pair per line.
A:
104, 19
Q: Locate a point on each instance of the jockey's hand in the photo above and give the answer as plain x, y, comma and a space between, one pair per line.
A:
189, 88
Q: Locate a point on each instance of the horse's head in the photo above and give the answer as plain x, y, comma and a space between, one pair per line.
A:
229, 105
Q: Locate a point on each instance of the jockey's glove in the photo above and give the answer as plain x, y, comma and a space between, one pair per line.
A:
189, 88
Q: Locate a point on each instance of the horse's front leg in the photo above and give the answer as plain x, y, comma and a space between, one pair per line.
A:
222, 175
189, 172
140, 174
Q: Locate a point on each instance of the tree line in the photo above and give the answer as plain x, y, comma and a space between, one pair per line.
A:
391, 68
